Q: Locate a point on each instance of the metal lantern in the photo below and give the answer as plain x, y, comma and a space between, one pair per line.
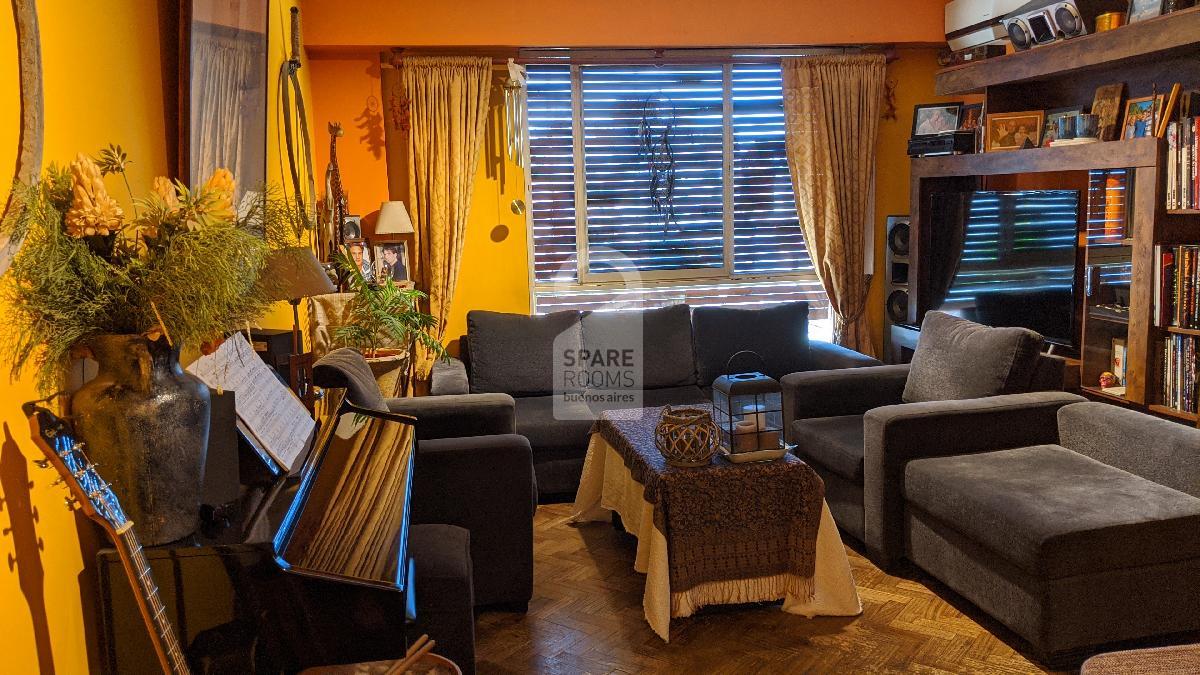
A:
748, 409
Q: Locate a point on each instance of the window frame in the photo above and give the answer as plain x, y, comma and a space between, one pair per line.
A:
654, 279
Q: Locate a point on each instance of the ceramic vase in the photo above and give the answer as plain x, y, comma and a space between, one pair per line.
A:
145, 423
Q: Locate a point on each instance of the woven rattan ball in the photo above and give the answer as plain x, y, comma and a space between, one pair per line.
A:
686, 436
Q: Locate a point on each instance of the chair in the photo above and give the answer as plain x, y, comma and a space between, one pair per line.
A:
836, 418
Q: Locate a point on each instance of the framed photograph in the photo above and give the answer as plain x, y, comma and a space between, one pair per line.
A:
1140, 10
391, 262
352, 228
1140, 116
1118, 360
1107, 105
931, 119
1052, 117
1010, 131
970, 117
360, 253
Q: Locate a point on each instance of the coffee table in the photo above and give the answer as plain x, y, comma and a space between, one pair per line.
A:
624, 473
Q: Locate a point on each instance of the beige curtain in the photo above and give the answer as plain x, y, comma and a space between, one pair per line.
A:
832, 106
447, 105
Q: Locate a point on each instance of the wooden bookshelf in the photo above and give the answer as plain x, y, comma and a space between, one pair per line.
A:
1148, 57
1166, 37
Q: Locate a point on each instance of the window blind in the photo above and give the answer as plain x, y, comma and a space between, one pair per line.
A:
729, 230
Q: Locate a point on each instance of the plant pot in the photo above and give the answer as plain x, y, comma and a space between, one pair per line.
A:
390, 367
145, 423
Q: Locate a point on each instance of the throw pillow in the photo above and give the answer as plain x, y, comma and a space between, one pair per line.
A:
960, 359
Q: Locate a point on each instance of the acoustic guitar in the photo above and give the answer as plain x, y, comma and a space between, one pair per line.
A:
95, 498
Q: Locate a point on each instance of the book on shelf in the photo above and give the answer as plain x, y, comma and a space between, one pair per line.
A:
1183, 139
1177, 286
1179, 372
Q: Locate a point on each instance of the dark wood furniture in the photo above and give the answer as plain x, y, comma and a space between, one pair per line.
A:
1148, 57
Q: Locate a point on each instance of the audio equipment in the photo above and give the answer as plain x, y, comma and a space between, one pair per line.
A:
896, 273
1042, 22
952, 143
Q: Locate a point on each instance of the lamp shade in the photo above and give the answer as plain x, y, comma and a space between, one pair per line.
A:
393, 219
294, 273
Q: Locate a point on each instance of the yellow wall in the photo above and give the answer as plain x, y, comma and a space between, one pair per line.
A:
103, 72
103, 82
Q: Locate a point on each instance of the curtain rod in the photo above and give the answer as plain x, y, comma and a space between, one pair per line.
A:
636, 55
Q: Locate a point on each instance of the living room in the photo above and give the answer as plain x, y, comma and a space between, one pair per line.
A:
561, 337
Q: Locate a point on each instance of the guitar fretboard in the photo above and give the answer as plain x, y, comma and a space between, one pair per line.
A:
155, 611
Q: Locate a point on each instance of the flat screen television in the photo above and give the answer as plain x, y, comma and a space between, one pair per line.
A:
1005, 259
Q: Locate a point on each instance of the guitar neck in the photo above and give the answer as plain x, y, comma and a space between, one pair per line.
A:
154, 613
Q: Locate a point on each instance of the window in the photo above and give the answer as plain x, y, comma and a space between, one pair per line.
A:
654, 184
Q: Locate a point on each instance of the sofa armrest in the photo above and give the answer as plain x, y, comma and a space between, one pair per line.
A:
486, 485
828, 356
458, 415
846, 391
895, 434
449, 377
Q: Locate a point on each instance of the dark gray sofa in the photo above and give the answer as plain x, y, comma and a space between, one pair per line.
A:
832, 416
1074, 525
680, 351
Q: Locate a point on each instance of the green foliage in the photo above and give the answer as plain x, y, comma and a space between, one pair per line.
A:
199, 269
382, 315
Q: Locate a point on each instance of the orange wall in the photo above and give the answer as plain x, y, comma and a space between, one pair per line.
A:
495, 261
620, 23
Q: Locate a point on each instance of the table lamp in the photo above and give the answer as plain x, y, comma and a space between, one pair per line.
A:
393, 219
295, 274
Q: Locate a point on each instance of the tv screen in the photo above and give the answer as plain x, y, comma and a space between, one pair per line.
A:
1006, 259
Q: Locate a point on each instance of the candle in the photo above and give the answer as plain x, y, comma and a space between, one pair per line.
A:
753, 413
744, 436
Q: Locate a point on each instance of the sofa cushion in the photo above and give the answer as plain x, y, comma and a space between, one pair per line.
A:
660, 341
778, 334
552, 436
516, 354
1055, 513
650, 398
959, 359
835, 443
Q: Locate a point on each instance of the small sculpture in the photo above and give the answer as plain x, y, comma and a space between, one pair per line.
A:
1108, 380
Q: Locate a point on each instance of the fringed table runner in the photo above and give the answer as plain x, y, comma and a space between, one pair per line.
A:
724, 521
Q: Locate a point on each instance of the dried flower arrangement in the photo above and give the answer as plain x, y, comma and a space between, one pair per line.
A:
184, 262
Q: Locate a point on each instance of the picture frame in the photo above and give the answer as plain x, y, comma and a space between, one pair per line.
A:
352, 229
1118, 365
391, 261
1106, 104
1010, 131
1140, 116
931, 119
1050, 128
970, 118
1140, 10
359, 250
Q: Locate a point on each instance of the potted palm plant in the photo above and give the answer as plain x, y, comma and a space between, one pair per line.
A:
384, 322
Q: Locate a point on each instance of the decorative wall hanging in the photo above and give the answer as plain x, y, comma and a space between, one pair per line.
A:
515, 109
655, 127
25, 145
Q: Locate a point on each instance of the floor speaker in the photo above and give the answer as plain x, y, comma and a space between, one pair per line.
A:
897, 268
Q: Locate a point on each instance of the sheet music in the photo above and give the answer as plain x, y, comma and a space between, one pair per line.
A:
267, 408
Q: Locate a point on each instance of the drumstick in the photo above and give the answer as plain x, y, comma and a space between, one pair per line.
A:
420, 642
404, 664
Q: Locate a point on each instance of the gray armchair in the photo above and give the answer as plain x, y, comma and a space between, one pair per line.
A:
828, 413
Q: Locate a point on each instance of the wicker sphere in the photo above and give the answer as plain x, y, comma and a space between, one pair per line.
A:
686, 436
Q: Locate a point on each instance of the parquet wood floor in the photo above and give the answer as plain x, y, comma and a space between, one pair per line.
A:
586, 617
